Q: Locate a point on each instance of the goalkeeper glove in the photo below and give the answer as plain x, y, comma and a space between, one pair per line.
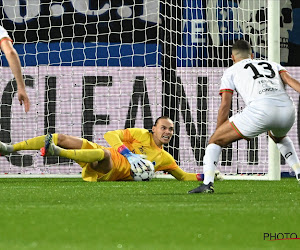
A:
137, 162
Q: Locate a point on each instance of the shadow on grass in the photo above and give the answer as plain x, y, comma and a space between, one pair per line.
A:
37, 180
186, 193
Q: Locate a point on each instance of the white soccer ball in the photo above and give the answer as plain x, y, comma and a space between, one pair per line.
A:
147, 175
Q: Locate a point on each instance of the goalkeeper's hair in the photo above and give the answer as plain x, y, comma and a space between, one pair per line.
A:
161, 117
242, 46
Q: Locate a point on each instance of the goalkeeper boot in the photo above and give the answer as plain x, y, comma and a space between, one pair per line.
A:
209, 188
5, 149
50, 149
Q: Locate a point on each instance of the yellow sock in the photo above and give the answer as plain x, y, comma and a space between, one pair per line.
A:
83, 155
35, 143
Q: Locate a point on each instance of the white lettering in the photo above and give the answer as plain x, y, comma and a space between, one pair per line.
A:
82, 6
197, 31
18, 13
150, 11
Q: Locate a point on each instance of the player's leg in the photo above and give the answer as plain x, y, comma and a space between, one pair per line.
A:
99, 159
105, 165
79, 150
55, 142
69, 142
240, 126
281, 126
31, 144
247, 124
224, 135
36, 143
287, 149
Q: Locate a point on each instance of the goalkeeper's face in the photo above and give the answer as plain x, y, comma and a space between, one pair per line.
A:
163, 131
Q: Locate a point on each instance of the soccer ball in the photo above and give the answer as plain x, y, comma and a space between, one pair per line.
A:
146, 175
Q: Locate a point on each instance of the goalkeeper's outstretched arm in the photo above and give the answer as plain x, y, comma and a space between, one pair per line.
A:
181, 175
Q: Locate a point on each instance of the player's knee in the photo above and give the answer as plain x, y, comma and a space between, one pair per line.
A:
274, 138
223, 140
217, 141
105, 165
107, 154
277, 139
61, 138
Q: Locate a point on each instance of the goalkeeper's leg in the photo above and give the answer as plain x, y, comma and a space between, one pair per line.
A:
82, 155
100, 158
31, 144
38, 142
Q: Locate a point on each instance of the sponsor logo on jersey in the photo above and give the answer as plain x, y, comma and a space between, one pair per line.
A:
267, 90
288, 155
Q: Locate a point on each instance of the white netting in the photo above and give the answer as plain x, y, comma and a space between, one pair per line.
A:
94, 66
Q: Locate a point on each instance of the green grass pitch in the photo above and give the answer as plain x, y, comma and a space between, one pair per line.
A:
73, 214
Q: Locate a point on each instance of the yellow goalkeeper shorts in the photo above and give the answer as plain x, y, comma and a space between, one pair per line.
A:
120, 170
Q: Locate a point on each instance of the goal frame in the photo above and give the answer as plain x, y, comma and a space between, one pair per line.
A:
274, 172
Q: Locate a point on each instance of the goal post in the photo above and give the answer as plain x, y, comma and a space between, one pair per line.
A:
273, 55
94, 66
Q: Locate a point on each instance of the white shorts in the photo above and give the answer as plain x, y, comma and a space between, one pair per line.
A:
257, 119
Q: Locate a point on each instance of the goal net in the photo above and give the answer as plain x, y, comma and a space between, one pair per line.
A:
94, 66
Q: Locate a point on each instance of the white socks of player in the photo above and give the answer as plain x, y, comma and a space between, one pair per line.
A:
296, 168
287, 149
210, 161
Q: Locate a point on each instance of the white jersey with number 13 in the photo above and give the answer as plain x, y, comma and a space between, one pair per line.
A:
256, 80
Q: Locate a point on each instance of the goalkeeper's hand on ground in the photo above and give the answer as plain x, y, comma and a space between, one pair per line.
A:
138, 164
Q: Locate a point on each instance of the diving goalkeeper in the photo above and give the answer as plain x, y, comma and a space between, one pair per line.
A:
129, 148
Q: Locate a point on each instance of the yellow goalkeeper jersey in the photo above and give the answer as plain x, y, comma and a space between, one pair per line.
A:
140, 141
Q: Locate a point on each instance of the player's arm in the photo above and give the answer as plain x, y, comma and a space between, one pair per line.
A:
224, 107
115, 139
15, 66
292, 82
181, 175
169, 165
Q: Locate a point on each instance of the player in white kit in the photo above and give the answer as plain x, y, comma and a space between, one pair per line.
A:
261, 84
15, 66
